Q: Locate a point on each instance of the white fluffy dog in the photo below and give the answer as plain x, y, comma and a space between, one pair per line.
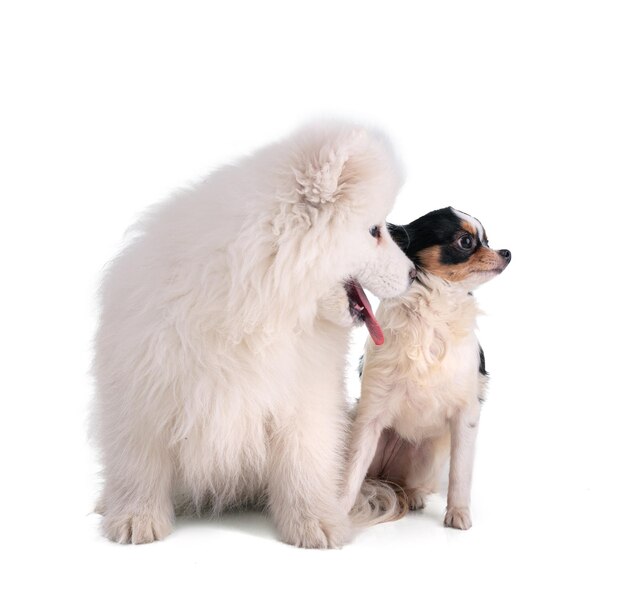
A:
223, 334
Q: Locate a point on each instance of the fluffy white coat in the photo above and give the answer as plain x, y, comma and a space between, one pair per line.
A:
219, 358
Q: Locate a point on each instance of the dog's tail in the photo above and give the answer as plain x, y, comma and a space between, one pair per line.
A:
378, 501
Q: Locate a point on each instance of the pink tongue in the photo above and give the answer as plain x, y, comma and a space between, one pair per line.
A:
373, 326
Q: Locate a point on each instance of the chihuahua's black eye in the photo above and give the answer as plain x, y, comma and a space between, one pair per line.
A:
375, 231
466, 242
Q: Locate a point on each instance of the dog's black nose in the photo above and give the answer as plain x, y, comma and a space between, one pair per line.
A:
506, 254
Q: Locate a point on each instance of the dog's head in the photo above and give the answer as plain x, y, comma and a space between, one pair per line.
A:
346, 182
452, 246
383, 269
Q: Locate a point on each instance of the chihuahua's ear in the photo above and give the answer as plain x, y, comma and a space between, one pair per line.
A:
400, 236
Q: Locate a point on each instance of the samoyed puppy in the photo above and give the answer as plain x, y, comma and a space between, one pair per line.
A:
223, 334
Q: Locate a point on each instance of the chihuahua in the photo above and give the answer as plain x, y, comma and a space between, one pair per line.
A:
422, 391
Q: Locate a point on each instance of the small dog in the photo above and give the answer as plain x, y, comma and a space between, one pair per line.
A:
422, 390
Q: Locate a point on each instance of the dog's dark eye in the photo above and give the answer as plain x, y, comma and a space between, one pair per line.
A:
375, 231
466, 242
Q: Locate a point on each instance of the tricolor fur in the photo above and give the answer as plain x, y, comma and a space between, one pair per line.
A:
422, 391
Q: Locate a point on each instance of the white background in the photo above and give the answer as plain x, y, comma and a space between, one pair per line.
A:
513, 112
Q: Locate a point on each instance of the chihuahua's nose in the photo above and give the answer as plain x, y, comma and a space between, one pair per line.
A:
506, 254
413, 273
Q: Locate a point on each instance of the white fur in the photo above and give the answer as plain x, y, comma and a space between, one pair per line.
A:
480, 231
424, 385
223, 334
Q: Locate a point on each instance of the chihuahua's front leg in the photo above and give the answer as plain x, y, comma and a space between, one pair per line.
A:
464, 428
364, 440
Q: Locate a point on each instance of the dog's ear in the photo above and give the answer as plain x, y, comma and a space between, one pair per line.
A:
344, 163
319, 181
326, 171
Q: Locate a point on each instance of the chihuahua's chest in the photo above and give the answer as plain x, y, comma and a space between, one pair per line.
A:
427, 401
436, 354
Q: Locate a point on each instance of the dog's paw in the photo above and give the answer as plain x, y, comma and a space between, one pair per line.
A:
458, 518
309, 534
136, 528
416, 499
317, 534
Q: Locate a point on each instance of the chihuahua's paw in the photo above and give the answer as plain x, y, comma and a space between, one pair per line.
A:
416, 499
458, 518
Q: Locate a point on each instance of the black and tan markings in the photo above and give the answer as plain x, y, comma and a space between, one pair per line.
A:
447, 243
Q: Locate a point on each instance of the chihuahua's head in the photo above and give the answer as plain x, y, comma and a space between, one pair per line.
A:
451, 245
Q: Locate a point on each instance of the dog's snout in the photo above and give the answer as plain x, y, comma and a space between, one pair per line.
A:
506, 254
413, 274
